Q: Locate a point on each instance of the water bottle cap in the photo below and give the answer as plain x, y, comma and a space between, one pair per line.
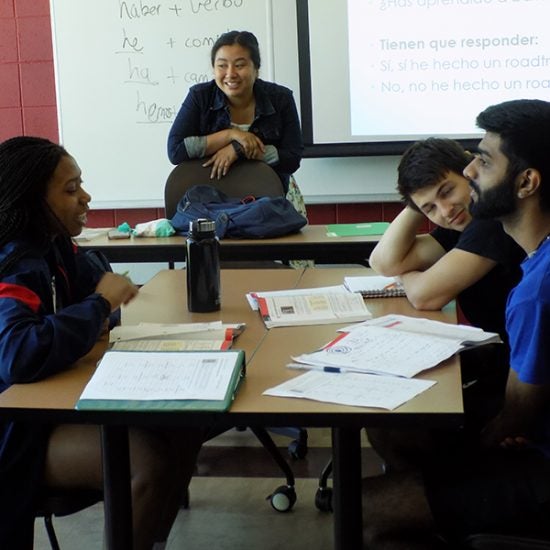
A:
202, 225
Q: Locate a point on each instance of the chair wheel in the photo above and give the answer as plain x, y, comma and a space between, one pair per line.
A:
283, 498
297, 449
323, 499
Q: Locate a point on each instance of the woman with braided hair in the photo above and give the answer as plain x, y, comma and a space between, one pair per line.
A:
54, 306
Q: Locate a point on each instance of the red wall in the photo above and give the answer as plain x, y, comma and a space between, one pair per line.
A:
28, 107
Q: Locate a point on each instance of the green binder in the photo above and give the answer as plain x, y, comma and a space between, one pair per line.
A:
152, 381
365, 229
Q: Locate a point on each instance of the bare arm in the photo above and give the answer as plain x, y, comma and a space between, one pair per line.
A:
524, 405
431, 277
445, 279
401, 249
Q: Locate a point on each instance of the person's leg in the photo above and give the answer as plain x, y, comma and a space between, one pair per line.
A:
396, 513
161, 468
73, 459
498, 491
403, 449
184, 445
484, 373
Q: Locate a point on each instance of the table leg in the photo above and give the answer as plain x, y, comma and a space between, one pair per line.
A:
347, 504
116, 487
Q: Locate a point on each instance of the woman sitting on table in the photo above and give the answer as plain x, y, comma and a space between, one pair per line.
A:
238, 116
54, 307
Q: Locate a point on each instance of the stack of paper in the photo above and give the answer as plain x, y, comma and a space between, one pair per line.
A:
372, 364
311, 309
396, 345
379, 350
466, 335
133, 380
252, 297
175, 337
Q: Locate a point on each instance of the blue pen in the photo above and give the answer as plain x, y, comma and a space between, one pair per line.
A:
333, 370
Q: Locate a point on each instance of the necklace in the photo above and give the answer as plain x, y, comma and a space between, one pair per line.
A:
531, 254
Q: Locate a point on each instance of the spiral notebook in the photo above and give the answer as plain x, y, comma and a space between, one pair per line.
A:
375, 286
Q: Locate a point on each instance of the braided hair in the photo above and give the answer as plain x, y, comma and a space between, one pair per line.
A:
27, 164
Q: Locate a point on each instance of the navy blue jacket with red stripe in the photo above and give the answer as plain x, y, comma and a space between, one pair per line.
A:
37, 337
49, 318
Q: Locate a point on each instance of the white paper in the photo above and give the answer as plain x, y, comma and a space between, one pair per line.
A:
149, 376
141, 331
253, 302
312, 309
359, 390
463, 334
373, 349
170, 345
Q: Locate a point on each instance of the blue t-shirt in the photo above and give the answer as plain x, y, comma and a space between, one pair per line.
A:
528, 319
528, 324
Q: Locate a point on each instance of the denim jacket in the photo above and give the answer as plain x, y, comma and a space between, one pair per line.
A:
205, 111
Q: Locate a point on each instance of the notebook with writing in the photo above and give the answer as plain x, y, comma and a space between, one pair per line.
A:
153, 381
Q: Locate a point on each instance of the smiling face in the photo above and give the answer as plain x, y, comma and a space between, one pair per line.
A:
234, 71
446, 203
66, 196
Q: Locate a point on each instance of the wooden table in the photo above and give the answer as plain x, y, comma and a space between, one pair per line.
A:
163, 299
441, 405
310, 243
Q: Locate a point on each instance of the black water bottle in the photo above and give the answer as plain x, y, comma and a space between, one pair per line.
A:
203, 267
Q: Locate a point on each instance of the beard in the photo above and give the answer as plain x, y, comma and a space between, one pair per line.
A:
497, 202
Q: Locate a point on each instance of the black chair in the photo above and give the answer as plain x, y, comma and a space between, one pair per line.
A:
64, 503
323, 495
251, 177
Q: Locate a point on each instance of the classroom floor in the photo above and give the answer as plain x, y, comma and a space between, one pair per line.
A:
228, 511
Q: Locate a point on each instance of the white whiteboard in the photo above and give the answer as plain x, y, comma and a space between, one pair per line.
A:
101, 94
123, 69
